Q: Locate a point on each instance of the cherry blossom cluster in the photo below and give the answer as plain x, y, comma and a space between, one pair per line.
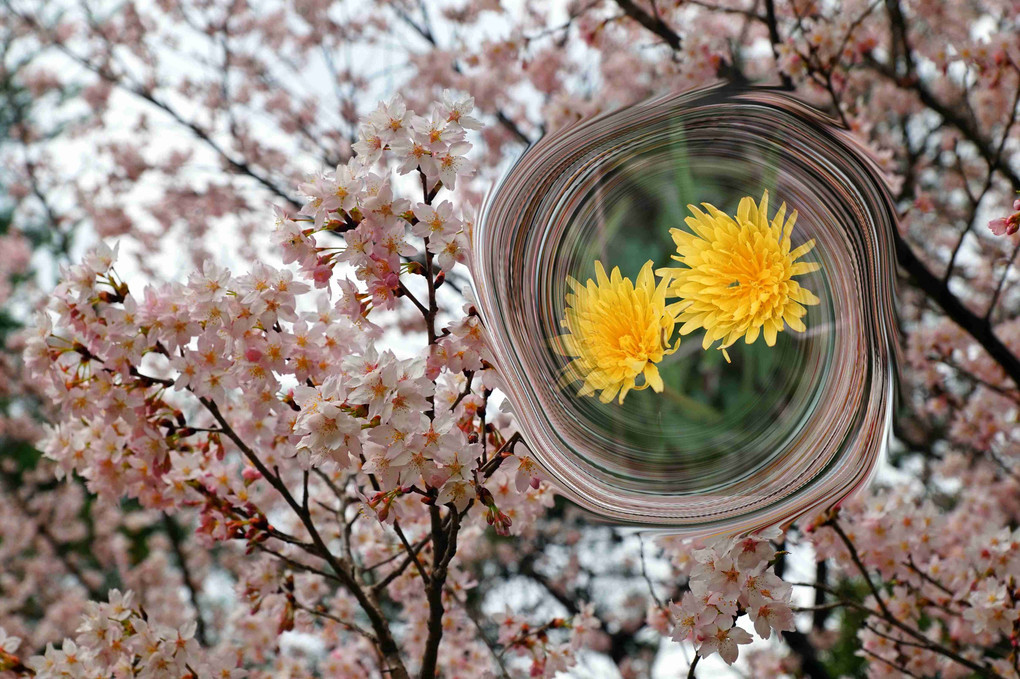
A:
961, 389
943, 589
728, 578
233, 395
116, 638
546, 655
314, 382
362, 205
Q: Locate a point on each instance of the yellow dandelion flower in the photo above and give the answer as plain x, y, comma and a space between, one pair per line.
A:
616, 332
737, 279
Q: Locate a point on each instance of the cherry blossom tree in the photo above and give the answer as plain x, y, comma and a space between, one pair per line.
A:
277, 450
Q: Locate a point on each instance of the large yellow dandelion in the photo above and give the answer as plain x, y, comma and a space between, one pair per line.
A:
616, 332
737, 278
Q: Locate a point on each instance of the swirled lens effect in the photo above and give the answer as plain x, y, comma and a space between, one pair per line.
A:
723, 446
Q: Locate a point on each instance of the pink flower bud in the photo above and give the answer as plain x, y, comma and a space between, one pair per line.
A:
250, 475
321, 275
535, 481
252, 354
998, 226
1016, 204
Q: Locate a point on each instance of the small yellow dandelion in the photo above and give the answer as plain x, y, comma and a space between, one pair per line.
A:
737, 279
616, 332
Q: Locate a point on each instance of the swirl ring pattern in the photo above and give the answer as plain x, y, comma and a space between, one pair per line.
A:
782, 430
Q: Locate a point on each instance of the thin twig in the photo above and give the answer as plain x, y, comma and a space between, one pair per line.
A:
174, 534
694, 663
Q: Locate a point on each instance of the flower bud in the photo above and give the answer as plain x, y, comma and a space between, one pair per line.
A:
485, 496
321, 275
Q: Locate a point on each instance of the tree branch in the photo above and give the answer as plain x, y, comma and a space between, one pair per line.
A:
444, 549
805, 651
652, 23
978, 328
387, 643
175, 534
774, 39
694, 664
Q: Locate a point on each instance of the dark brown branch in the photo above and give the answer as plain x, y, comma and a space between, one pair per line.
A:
965, 124
175, 534
890, 663
694, 664
805, 651
820, 614
527, 568
1013, 394
855, 557
886, 615
412, 552
1001, 284
410, 557
425, 31
976, 200
444, 549
293, 563
477, 622
775, 39
652, 23
978, 328
320, 611
387, 642
239, 166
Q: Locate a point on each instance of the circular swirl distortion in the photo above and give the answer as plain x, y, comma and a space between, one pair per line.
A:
722, 441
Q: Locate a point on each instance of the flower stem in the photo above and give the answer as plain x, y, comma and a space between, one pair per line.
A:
691, 405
